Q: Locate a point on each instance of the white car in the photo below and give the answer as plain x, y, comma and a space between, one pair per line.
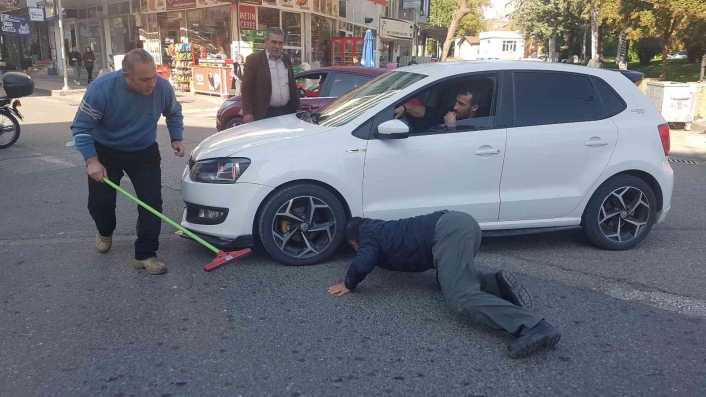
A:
550, 147
678, 55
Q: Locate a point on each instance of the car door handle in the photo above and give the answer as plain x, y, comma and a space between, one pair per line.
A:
593, 142
482, 152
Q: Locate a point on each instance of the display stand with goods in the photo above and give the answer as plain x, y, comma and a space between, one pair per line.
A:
182, 60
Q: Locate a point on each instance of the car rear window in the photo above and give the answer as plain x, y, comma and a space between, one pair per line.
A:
611, 100
543, 98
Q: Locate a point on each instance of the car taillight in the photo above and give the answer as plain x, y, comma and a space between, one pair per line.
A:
664, 136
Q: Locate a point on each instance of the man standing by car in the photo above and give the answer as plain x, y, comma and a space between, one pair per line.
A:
448, 242
75, 62
269, 88
115, 129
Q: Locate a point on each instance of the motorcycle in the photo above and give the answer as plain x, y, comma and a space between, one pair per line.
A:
16, 85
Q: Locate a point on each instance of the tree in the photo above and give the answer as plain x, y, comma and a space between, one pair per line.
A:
694, 38
647, 48
461, 17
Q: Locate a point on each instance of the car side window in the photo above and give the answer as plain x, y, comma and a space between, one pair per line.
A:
543, 98
309, 85
612, 102
456, 105
345, 82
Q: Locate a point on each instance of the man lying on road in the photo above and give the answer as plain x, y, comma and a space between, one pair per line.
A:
448, 241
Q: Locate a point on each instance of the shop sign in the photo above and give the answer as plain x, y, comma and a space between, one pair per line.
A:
286, 3
303, 4
8, 5
396, 29
248, 17
381, 2
14, 26
36, 14
180, 4
254, 2
269, 2
154, 5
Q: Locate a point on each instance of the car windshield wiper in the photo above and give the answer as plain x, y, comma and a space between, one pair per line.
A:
310, 116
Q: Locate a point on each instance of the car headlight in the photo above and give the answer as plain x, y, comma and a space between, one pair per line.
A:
222, 170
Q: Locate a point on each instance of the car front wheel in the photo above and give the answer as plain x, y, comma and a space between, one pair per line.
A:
234, 122
621, 213
301, 224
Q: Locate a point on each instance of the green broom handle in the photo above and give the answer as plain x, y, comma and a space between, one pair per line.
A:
161, 216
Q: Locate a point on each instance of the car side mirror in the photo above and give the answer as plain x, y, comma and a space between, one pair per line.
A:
393, 129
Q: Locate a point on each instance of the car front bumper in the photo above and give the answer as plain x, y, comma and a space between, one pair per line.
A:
241, 200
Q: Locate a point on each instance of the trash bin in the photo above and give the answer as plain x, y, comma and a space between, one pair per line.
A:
676, 101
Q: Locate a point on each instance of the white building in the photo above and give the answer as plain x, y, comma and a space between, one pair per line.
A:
467, 48
501, 45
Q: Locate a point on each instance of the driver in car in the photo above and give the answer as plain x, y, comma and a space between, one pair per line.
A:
465, 107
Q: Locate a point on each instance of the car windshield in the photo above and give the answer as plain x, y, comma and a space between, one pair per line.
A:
353, 104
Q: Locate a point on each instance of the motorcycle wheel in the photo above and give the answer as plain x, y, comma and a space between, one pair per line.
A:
9, 129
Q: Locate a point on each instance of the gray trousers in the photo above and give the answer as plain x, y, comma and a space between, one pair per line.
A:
467, 292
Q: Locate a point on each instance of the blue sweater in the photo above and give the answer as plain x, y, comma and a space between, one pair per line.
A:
115, 116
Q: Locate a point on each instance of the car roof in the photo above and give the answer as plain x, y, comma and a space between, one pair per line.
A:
352, 69
442, 69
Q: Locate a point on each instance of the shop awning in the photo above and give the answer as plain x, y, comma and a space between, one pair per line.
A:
435, 32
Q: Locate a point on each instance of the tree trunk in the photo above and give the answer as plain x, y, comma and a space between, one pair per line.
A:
583, 44
594, 30
552, 48
461, 12
666, 37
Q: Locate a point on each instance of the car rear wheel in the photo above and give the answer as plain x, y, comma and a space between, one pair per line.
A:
234, 122
301, 225
621, 213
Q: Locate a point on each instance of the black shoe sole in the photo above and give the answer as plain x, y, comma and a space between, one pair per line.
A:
548, 341
513, 291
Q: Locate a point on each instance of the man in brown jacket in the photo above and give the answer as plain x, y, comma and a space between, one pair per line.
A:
269, 88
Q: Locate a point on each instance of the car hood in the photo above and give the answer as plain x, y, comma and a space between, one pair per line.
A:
258, 133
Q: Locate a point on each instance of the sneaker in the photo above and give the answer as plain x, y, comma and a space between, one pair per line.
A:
77, 82
152, 265
512, 290
103, 244
539, 337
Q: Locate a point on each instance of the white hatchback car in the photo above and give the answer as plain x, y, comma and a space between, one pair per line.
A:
545, 147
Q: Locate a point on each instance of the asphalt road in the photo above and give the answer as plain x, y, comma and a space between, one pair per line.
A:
75, 322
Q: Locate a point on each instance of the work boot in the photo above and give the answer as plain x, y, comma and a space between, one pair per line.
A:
152, 265
512, 290
531, 340
103, 244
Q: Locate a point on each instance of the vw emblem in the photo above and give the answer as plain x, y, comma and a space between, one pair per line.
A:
624, 214
304, 227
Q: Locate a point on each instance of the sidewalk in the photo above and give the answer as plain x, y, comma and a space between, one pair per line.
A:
688, 144
197, 105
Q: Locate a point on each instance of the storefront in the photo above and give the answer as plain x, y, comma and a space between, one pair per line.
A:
396, 38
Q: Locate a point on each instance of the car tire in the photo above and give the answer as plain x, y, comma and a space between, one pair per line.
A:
621, 213
282, 220
233, 123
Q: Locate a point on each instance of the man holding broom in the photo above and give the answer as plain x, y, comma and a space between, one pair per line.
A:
115, 129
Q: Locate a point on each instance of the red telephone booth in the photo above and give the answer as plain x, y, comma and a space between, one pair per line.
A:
344, 48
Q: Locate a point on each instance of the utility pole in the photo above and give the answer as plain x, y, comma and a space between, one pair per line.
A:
62, 46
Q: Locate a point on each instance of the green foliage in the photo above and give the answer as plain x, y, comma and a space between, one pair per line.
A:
693, 36
647, 48
441, 13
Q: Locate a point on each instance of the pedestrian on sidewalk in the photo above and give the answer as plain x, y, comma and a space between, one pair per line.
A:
34, 52
269, 88
121, 137
75, 62
89, 59
448, 242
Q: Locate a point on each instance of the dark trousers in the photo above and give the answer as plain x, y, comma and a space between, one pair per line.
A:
90, 73
279, 111
456, 240
143, 169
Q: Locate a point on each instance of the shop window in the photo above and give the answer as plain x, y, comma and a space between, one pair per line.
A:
113, 9
209, 28
321, 34
135, 6
82, 13
292, 26
125, 7
267, 18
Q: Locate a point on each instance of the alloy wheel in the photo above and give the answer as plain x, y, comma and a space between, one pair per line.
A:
303, 227
624, 214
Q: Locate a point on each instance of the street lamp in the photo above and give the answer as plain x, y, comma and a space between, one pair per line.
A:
63, 49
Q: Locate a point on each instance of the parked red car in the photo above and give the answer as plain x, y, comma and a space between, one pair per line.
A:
317, 87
